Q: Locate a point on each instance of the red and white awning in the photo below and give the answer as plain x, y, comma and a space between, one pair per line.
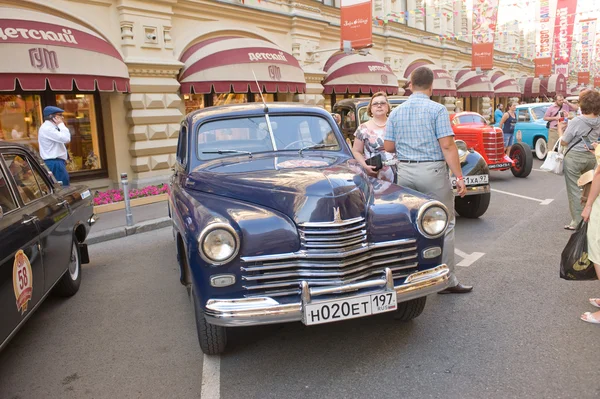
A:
42, 51
554, 85
471, 84
355, 73
443, 84
530, 87
505, 86
229, 64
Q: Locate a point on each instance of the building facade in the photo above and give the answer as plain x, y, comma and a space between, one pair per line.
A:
126, 71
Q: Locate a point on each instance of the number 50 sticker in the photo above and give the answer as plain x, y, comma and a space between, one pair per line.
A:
22, 281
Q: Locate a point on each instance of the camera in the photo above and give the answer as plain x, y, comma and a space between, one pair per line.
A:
151, 36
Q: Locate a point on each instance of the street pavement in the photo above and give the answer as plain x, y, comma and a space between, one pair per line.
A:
130, 333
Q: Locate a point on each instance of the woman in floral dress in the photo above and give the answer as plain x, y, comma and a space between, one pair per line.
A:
369, 138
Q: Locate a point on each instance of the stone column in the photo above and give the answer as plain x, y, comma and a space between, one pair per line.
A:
486, 110
449, 103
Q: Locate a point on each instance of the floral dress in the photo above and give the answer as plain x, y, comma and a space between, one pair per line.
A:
373, 145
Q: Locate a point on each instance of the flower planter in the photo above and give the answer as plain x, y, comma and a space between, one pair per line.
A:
115, 206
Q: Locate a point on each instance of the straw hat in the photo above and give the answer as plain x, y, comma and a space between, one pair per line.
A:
586, 178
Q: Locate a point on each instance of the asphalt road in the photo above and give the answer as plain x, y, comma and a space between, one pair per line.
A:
129, 332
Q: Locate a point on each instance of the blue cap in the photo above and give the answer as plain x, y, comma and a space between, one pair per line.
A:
50, 110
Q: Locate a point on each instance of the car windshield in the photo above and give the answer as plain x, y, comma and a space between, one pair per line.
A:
249, 135
538, 112
470, 119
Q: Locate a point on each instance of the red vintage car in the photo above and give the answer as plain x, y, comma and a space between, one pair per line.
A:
488, 140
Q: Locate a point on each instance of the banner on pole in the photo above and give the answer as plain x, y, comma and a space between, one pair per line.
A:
543, 59
596, 81
356, 23
583, 78
485, 16
563, 35
588, 38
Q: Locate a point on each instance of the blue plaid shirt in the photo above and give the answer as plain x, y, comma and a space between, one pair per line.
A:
416, 126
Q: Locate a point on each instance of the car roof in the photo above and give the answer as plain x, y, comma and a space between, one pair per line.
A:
254, 108
8, 144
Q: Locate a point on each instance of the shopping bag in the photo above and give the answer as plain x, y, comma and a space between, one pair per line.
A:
574, 262
553, 163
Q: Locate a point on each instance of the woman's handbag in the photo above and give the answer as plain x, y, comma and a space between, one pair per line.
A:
554, 160
574, 261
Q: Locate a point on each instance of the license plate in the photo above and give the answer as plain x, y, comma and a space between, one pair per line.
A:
500, 165
352, 308
472, 180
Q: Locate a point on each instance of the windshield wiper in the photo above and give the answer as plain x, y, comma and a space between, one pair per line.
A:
228, 152
316, 147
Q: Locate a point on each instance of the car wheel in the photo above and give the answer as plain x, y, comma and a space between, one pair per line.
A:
410, 309
212, 338
472, 206
521, 154
541, 148
69, 283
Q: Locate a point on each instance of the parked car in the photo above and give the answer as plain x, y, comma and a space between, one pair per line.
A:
275, 222
474, 166
531, 127
488, 140
43, 227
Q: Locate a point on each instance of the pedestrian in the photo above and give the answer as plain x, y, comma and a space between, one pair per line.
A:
553, 116
419, 132
52, 137
507, 124
498, 114
369, 139
591, 214
580, 139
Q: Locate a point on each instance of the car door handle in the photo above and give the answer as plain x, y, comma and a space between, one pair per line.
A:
62, 203
30, 220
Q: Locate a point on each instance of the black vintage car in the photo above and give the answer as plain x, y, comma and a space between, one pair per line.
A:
275, 221
353, 112
43, 227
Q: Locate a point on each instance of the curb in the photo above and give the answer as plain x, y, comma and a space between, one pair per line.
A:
120, 232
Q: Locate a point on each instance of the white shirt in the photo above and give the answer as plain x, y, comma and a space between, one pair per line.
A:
52, 140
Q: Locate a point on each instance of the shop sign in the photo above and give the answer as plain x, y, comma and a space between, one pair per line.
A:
563, 35
583, 78
384, 79
274, 72
543, 66
41, 58
356, 23
485, 15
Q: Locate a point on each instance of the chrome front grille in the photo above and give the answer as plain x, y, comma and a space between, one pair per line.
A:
493, 142
331, 263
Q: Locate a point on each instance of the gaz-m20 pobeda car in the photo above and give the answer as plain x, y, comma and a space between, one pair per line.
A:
43, 227
275, 222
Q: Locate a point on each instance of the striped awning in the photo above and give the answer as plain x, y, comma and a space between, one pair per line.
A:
554, 85
228, 64
530, 87
471, 84
355, 73
505, 86
576, 89
41, 51
443, 84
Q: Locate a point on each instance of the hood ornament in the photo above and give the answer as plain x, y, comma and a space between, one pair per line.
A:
337, 218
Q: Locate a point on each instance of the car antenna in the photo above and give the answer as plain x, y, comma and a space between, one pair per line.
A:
260, 92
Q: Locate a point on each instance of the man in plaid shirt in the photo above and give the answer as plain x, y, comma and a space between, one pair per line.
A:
419, 132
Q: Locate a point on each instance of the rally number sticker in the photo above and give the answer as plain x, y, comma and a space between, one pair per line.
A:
22, 281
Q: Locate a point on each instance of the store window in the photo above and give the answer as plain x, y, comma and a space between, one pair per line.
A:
20, 118
194, 102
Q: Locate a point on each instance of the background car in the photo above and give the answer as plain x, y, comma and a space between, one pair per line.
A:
531, 127
474, 166
275, 221
43, 227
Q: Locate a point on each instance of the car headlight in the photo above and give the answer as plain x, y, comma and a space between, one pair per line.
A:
218, 243
463, 150
432, 219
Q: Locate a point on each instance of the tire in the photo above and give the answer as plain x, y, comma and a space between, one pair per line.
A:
410, 309
521, 154
472, 206
212, 338
541, 148
69, 283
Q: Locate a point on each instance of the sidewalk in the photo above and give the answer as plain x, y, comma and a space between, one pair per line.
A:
113, 225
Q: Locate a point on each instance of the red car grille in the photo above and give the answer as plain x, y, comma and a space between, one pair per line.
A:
493, 143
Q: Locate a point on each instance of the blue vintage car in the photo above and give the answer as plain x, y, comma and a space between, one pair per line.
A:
531, 127
275, 222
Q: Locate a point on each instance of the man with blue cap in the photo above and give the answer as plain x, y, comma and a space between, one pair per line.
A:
52, 137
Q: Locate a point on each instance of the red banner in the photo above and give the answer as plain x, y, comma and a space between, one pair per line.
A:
543, 66
356, 23
583, 78
485, 15
596, 81
543, 59
563, 35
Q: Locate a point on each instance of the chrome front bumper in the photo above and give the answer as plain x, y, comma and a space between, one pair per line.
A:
266, 310
474, 190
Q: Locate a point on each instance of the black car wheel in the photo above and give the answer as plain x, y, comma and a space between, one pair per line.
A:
521, 154
410, 309
69, 283
472, 206
212, 338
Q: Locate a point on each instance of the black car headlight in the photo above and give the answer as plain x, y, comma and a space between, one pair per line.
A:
218, 243
432, 219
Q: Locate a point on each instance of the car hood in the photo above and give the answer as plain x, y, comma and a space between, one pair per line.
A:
305, 188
